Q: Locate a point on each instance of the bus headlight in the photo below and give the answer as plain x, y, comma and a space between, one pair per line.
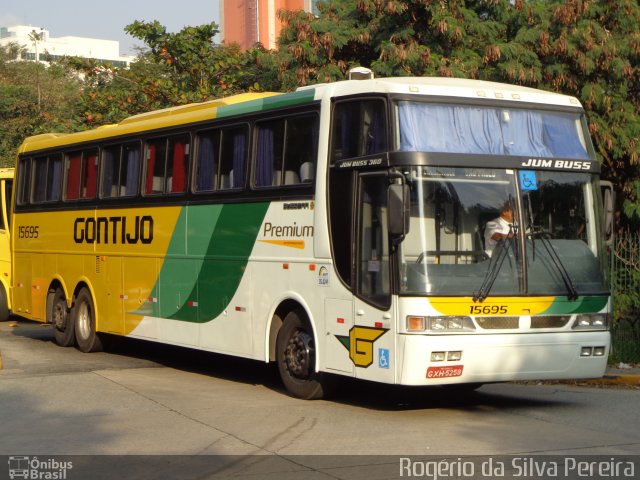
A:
593, 321
415, 323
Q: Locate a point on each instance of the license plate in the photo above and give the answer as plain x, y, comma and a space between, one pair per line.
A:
445, 372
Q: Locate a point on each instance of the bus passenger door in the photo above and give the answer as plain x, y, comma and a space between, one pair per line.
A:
372, 346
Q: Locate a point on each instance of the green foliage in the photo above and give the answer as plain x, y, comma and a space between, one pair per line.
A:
176, 69
590, 49
631, 205
33, 99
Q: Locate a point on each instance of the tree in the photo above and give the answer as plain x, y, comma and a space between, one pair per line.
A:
393, 38
589, 49
174, 69
24, 110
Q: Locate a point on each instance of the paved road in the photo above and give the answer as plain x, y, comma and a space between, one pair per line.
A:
142, 398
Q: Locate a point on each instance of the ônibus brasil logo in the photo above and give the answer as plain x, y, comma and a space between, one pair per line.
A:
36, 469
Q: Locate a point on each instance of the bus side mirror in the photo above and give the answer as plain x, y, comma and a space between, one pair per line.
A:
609, 202
398, 212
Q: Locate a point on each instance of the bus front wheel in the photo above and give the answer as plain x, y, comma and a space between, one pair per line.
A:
84, 321
63, 330
296, 357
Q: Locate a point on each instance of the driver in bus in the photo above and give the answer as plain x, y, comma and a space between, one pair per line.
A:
499, 228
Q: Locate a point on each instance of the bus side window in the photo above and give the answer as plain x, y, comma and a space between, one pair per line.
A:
359, 129
269, 153
46, 184
39, 181
120, 171
129, 184
72, 175
80, 175
284, 145
166, 161
206, 168
177, 162
24, 181
301, 148
89, 175
233, 157
155, 160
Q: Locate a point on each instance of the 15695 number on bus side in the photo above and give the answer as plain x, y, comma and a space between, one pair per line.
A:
28, 231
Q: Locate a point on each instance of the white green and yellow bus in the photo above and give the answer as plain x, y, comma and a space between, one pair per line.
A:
336, 230
6, 189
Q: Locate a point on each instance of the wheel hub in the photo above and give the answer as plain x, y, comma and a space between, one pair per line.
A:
59, 317
299, 354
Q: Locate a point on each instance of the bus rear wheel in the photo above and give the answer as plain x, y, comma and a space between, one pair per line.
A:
296, 357
84, 320
63, 330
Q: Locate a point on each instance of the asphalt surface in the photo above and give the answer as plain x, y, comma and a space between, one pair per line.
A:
198, 415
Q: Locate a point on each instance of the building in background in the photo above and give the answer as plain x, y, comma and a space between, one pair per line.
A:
40, 46
248, 22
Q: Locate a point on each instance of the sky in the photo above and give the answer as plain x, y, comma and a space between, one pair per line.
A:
106, 19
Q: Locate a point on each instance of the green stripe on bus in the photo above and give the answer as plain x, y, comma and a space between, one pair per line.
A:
562, 306
199, 288
278, 101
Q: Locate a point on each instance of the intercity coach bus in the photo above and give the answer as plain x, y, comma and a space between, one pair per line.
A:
335, 230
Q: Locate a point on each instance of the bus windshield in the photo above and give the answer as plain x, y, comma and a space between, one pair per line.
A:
452, 246
490, 131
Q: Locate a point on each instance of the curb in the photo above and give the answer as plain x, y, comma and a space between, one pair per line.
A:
630, 380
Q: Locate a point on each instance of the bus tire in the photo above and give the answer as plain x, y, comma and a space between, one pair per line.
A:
63, 330
84, 320
296, 358
4, 305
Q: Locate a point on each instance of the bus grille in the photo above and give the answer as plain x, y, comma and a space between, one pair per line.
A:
512, 323
550, 321
498, 323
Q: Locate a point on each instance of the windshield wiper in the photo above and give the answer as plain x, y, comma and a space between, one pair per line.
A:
532, 226
495, 266
572, 293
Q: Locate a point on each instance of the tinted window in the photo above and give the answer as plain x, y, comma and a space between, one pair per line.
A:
222, 158
120, 171
166, 162
80, 175
47, 179
359, 129
286, 150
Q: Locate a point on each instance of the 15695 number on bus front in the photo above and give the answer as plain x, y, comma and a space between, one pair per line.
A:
488, 310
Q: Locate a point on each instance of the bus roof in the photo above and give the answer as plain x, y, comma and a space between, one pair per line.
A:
254, 102
446, 87
168, 117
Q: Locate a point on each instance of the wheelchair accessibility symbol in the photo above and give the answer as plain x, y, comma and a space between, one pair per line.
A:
383, 358
528, 180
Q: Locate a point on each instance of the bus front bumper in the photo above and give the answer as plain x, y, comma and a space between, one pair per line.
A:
451, 359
